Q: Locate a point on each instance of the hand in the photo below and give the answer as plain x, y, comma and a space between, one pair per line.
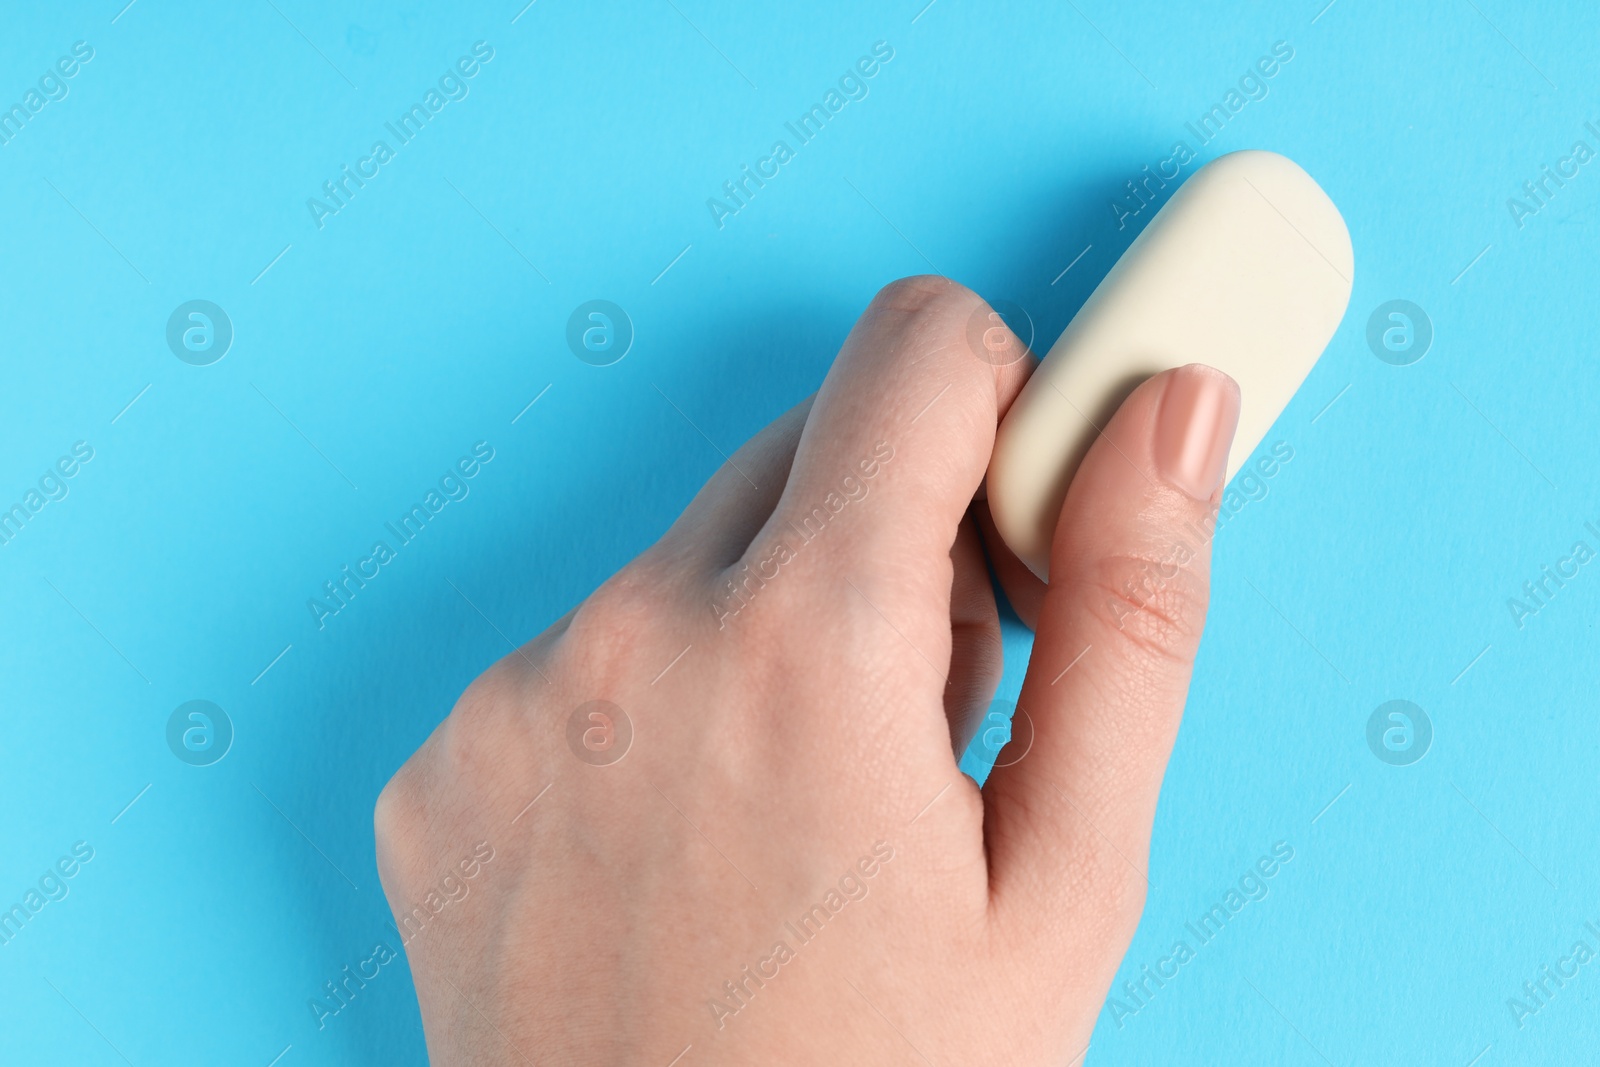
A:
786, 866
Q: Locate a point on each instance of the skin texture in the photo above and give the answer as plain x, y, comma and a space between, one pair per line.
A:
807, 737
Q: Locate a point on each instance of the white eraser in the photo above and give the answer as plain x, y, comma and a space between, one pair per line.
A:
1247, 269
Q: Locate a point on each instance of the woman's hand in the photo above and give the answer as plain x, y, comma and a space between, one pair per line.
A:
785, 866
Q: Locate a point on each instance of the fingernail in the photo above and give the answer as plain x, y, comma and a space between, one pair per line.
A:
1194, 429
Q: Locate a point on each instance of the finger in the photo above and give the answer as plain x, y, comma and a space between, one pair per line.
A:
901, 434
1024, 591
728, 511
975, 654
1118, 629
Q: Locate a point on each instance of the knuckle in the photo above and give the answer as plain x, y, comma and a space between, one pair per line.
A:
486, 702
386, 814
1157, 606
922, 293
495, 740
396, 826
638, 591
463, 764
611, 619
933, 322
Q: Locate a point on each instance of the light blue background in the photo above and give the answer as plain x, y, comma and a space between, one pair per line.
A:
417, 322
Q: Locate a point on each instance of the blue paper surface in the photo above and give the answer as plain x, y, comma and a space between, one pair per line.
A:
358, 336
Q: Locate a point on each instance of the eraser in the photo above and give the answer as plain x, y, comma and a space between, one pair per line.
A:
1247, 269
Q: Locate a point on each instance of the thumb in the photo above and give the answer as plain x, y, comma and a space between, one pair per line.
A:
1069, 825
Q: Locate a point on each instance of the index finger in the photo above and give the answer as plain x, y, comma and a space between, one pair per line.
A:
907, 414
